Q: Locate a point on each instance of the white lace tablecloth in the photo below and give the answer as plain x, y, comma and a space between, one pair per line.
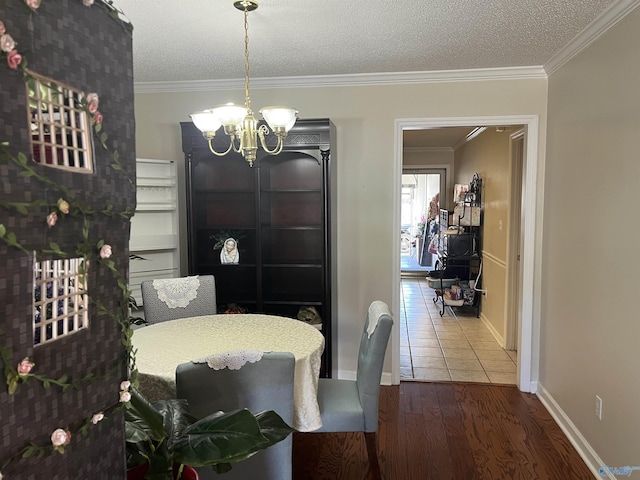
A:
161, 347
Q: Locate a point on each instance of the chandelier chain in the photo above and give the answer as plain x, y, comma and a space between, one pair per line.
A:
247, 101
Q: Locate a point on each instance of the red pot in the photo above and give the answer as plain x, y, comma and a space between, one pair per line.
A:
139, 471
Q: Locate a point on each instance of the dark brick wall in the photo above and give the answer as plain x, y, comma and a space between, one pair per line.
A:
84, 48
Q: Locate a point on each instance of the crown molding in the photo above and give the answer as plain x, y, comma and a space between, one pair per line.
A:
358, 79
607, 19
473, 134
427, 149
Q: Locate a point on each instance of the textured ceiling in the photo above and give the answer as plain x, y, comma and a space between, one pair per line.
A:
204, 39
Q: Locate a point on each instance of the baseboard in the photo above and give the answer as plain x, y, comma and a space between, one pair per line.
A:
346, 375
492, 329
588, 454
386, 379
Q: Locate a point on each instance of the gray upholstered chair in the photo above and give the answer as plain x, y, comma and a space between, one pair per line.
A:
352, 406
172, 298
264, 385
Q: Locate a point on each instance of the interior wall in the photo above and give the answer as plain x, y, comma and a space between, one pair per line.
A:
590, 328
364, 117
488, 155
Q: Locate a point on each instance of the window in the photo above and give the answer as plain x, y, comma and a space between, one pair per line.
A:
60, 301
60, 128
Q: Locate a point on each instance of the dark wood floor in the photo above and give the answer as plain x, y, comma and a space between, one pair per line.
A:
447, 431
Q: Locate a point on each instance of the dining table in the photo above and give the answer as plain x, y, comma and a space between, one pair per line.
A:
161, 347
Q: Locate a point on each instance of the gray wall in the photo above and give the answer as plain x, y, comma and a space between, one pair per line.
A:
590, 327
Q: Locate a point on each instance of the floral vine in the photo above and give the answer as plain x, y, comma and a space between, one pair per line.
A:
66, 205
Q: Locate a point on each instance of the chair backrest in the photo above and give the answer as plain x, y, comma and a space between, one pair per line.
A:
371, 360
169, 299
264, 385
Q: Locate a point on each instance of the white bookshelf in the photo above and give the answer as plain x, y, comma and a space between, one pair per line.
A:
154, 227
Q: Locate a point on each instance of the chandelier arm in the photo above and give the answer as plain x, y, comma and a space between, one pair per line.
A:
240, 146
278, 148
217, 153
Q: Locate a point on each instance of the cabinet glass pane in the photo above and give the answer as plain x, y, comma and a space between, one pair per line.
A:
225, 209
300, 284
224, 173
234, 283
293, 246
290, 171
290, 209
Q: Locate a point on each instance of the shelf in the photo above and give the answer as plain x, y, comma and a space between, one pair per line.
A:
317, 264
156, 207
143, 243
452, 303
155, 182
291, 190
222, 191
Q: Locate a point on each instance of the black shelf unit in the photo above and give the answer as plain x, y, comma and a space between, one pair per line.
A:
280, 213
459, 250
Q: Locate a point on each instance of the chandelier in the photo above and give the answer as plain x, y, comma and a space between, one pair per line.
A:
239, 123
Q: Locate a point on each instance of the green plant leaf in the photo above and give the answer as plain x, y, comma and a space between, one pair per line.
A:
143, 422
220, 438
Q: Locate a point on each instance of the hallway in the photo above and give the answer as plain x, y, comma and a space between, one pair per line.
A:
454, 347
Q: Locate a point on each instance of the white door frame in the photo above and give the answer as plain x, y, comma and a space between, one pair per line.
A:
528, 350
514, 240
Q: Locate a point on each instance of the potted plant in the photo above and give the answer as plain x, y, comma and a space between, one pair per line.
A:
163, 438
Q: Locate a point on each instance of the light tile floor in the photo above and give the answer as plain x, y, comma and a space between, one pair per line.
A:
454, 347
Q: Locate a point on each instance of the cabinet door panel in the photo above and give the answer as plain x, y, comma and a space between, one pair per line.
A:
291, 170
225, 209
293, 246
234, 283
289, 209
223, 174
301, 284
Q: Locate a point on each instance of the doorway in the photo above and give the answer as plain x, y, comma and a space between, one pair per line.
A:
528, 327
419, 187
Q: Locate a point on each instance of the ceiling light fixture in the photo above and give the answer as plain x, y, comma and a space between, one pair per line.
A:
238, 121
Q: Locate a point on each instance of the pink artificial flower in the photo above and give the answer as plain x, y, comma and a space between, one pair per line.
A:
7, 43
93, 99
87, 3
60, 438
63, 206
33, 4
25, 366
52, 218
125, 385
105, 252
125, 397
14, 59
2, 32
97, 417
97, 118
